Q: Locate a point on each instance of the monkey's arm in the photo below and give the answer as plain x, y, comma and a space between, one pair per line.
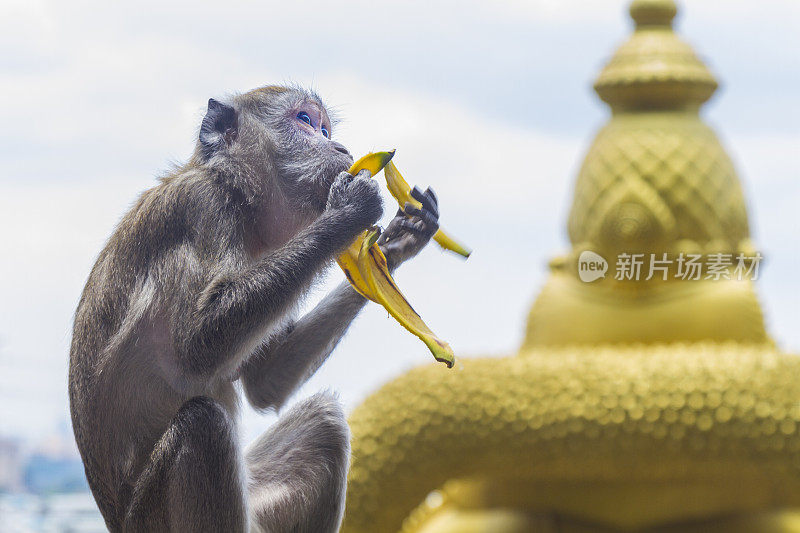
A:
287, 360
218, 317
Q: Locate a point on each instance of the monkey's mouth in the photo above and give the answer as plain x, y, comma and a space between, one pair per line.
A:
331, 170
321, 187
318, 188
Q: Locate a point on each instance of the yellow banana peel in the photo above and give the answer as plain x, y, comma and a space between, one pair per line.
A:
348, 260
365, 267
375, 271
401, 190
374, 162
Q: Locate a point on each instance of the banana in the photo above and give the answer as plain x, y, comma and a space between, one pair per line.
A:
375, 271
348, 261
365, 267
373, 162
401, 190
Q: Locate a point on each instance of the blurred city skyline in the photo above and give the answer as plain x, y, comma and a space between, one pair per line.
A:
490, 103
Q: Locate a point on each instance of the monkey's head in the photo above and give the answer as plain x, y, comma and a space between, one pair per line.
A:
276, 136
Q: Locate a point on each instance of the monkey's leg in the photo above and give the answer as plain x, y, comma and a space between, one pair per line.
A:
298, 469
194, 480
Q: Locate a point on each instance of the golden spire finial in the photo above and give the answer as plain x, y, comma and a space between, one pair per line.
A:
653, 12
654, 68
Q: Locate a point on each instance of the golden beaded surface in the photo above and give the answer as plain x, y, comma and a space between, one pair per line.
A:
686, 413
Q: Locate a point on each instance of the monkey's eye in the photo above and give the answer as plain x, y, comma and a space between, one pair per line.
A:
325, 132
302, 115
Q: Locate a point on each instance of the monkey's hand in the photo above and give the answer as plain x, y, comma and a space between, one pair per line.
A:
410, 229
357, 198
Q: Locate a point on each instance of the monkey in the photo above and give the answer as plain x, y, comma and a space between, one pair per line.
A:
194, 299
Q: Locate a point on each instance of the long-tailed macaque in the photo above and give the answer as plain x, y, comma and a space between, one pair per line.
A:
197, 289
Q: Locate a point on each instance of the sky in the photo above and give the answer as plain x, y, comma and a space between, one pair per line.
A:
489, 102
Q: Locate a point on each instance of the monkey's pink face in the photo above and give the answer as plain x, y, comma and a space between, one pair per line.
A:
322, 158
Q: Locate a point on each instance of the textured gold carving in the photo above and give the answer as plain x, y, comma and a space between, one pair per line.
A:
649, 181
623, 437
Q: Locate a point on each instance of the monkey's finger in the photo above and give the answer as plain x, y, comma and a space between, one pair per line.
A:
412, 210
396, 220
413, 226
432, 195
392, 228
420, 227
393, 248
426, 202
344, 178
431, 227
428, 217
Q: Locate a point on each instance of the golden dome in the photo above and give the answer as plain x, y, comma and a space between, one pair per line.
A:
654, 68
656, 177
658, 181
650, 404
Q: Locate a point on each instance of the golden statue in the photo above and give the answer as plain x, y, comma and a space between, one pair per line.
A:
647, 394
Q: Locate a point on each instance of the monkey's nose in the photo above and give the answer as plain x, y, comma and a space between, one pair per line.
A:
339, 147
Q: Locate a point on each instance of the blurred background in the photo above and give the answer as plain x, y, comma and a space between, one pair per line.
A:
489, 102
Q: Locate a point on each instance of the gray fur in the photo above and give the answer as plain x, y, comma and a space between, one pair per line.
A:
197, 287
301, 464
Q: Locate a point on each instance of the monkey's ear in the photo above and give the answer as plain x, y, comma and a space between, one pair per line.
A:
220, 127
